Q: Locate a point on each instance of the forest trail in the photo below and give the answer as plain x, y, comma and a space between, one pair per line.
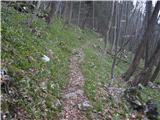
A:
73, 96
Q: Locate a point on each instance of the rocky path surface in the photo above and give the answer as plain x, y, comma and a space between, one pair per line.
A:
74, 101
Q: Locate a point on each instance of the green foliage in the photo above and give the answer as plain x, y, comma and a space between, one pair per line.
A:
149, 93
96, 69
37, 83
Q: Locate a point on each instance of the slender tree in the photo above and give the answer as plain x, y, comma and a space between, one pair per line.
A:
115, 39
146, 74
51, 12
30, 21
79, 13
141, 47
71, 10
93, 15
155, 74
109, 26
148, 14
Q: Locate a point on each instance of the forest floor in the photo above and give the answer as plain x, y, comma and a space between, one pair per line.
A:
77, 72
73, 96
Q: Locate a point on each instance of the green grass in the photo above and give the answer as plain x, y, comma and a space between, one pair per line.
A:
97, 71
37, 83
153, 94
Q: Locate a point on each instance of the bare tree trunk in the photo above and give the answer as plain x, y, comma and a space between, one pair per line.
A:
119, 15
141, 47
70, 15
115, 27
66, 11
148, 14
86, 14
57, 8
109, 26
50, 14
115, 40
30, 21
145, 75
93, 16
79, 12
53, 11
155, 74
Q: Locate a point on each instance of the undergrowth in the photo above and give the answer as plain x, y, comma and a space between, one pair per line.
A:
36, 85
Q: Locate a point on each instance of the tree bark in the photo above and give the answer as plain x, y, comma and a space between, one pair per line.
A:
93, 16
141, 47
88, 5
70, 14
116, 36
30, 21
66, 11
115, 29
148, 15
79, 12
51, 13
109, 26
155, 74
145, 75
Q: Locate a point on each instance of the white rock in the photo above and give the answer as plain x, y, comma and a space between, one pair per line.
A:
84, 106
57, 103
45, 58
43, 85
70, 95
79, 92
80, 106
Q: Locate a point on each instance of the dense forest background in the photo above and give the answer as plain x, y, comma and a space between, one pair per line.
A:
123, 25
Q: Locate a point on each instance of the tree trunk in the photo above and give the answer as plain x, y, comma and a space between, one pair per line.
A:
148, 15
141, 47
79, 12
93, 16
109, 26
57, 8
30, 21
155, 74
115, 39
145, 75
115, 31
86, 14
70, 14
66, 11
51, 13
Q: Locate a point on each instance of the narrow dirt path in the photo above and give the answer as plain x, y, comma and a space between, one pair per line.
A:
73, 96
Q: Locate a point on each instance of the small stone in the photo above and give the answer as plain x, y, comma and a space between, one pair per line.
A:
79, 92
4, 116
70, 95
84, 106
80, 106
45, 58
94, 116
57, 103
43, 85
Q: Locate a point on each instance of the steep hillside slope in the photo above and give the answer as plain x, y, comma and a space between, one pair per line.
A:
35, 85
33, 89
